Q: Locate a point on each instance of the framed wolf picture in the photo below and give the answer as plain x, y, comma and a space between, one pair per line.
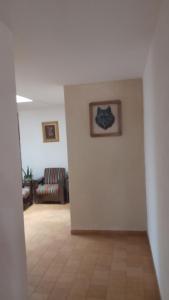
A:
105, 118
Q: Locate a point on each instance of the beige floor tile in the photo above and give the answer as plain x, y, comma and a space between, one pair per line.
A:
59, 294
116, 296
39, 296
100, 277
76, 297
97, 291
44, 287
89, 267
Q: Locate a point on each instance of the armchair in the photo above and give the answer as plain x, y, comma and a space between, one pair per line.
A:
51, 187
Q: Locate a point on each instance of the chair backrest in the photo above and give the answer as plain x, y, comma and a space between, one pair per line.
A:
54, 175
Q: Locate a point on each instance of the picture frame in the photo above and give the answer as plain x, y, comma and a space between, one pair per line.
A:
105, 118
50, 131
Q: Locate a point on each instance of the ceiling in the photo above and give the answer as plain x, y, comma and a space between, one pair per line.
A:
62, 42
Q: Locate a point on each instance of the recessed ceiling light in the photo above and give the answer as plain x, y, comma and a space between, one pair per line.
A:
20, 99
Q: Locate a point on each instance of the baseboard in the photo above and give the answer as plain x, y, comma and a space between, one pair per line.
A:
109, 232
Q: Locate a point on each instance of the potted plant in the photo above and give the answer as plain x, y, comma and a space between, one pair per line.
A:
28, 174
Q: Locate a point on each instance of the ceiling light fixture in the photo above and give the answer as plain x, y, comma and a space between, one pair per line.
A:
20, 99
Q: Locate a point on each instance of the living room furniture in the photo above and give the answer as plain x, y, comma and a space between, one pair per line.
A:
27, 193
52, 188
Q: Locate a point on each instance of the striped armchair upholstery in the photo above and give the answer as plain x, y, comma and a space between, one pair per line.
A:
52, 186
54, 175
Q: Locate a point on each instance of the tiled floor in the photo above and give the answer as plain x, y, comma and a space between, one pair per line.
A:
62, 266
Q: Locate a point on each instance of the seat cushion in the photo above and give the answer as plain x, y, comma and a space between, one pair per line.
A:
47, 189
25, 192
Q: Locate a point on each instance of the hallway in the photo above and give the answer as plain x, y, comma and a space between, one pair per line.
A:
91, 267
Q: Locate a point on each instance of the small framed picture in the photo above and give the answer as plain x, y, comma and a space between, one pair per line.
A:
50, 131
105, 118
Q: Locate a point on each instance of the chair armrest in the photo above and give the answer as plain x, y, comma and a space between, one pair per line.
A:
64, 182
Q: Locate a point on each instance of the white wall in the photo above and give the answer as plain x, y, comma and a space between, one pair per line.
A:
35, 153
156, 109
107, 188
12, 245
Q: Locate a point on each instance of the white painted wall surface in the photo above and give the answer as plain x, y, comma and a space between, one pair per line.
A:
156, 110
12, 245
35, 153
107, 188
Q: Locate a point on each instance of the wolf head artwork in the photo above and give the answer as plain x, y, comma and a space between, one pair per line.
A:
105, 118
